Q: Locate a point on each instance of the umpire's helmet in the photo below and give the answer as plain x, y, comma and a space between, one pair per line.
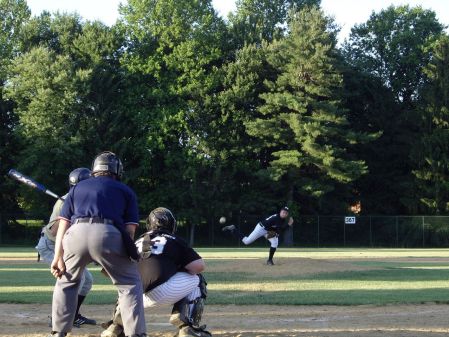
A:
78, 174
107, 162
161, 218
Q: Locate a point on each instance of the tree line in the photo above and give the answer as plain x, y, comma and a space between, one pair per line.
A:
232, 116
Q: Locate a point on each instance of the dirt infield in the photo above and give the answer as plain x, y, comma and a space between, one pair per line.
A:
430, 320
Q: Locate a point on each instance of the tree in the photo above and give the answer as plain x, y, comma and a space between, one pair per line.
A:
392, 45
430, 151
255, 21
303, 129
45, 88
68, 99
13, 15
372, 108
173, 51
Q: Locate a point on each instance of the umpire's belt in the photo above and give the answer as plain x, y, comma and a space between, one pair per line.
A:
94, 219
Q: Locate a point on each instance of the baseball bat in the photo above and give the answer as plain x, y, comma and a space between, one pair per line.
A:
16, 175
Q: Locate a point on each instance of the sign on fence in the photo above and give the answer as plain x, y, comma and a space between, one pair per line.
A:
349, 220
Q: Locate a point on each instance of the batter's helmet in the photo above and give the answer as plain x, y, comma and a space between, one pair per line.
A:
78, 174
107, 162
161, 218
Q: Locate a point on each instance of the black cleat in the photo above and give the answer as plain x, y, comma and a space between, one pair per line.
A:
270, 262
80, 320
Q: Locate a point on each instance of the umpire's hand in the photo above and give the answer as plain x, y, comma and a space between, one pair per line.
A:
57, 267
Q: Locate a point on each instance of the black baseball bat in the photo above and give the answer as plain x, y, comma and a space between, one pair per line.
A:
16, 175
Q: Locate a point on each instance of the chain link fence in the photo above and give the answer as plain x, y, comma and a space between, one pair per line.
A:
307, 231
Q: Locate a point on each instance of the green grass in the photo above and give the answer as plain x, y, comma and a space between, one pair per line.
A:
388, 277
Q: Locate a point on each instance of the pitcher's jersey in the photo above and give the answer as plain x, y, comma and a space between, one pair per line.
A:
275, 223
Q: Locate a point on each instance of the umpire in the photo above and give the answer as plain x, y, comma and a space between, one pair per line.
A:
87, 232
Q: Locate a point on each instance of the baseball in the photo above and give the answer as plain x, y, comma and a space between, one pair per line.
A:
222, 220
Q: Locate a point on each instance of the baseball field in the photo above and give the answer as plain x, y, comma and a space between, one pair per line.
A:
308, 292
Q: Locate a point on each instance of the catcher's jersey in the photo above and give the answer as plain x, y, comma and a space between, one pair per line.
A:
274, 223
163, 255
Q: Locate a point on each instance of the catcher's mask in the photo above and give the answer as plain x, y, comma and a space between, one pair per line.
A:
78, 174
107, 162
161, 218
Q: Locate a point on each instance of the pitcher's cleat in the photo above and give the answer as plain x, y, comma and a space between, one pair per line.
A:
228, 228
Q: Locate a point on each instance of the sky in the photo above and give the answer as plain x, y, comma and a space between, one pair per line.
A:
346, 13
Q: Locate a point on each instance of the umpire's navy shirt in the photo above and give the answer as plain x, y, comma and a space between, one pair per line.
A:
101, 197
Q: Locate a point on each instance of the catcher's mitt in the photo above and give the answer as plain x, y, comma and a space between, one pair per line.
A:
271, 234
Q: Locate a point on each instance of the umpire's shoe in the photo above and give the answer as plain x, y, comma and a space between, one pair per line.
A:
80, 320
230, 228
188, 331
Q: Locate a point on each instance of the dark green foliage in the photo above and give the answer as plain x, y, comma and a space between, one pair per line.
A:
233, 118
388, 53
430, 153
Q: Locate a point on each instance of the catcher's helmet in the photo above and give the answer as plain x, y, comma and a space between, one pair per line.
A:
78, 174
161, 218
107, 162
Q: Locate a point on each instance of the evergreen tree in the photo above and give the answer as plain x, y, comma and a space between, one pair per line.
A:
304, 130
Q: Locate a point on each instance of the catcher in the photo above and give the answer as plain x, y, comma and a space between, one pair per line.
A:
170, 273
270, 228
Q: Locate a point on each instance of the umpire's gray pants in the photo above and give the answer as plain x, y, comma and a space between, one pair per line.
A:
84, 243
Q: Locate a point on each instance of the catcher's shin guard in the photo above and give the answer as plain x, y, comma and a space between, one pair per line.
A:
189, 312
180, 313
183, 315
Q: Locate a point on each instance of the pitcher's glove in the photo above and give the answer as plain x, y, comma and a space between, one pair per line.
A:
271, 234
